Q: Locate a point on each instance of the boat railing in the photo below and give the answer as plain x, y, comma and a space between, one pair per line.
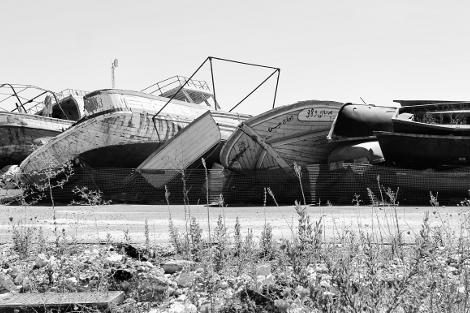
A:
31, 99
71, 92
171, 83
39, 106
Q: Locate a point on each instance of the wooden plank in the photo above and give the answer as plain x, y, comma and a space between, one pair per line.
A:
249, 131
37, 302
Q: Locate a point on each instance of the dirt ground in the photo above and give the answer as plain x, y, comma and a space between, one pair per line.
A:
93, 224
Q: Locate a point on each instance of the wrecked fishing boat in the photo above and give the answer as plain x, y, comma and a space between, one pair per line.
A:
440, 118
203, 138
434, 135
279, 137
121, 129
353, 132
418, 151
31, 116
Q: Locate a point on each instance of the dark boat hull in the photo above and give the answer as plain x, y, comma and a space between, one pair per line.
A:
424, 151
359, 121
119, 156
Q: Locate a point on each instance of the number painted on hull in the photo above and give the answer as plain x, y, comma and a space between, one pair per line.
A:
316, 114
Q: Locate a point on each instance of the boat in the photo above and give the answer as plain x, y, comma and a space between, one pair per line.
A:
121, 129
359, 121
421, 151
428, 135
31, 116
201, 139
353, 132
437, 118
362, 152
282, 136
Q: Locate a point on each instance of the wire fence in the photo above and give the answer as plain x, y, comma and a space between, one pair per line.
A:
319, 184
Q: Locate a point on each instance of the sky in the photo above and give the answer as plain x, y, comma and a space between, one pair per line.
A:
327, 50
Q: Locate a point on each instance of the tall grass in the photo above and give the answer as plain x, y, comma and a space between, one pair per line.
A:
359, 271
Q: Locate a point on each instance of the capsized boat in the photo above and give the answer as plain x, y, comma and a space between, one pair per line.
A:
279, 137
31, 116
203, 138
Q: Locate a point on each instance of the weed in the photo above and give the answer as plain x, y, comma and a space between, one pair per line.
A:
147, 235
22, 237
357, 200
221, 240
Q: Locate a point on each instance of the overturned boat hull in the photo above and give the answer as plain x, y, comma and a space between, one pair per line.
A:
281, 137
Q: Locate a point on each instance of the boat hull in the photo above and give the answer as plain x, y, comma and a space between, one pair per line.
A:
203, 138
359, 121
419, 151
281, 137
21, 134
367, 152
103, 134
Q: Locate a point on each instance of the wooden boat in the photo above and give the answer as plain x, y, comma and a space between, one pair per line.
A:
203, 138
443, 118
27, 125
420, 151
121, 130
282, 136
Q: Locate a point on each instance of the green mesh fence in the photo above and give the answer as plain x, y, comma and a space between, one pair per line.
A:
320, 185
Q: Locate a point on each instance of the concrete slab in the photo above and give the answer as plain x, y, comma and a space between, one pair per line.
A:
63, 302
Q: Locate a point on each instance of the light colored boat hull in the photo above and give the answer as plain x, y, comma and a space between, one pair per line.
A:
201, 138
278, 138
111, 129
118, 123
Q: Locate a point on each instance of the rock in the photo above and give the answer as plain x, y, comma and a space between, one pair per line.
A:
7, 283
171, 267
114, 258
40, 263
19, 278
132, 252
178, 307
185, 279
122, 274
206, 307
263, 270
